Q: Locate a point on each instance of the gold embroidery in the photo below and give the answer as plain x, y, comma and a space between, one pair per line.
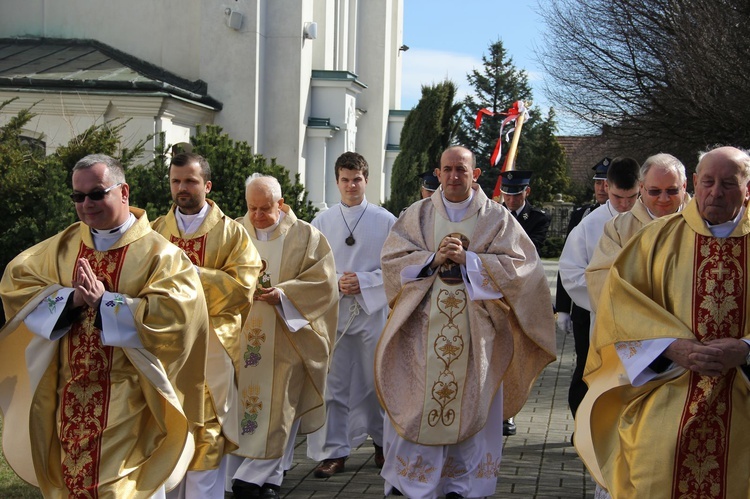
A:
488, 468
628, 348
195, 249
452, 470
253, 405
449, 345
414, 472
703, 442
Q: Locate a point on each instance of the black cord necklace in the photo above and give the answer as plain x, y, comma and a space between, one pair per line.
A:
350, 240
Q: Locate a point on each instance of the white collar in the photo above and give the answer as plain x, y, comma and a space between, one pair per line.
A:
104, 239
264, 234
188, 224
726, 228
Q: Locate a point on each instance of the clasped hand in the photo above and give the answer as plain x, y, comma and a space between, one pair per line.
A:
349, 283
87, 289
713, 358
450, 249
272, 296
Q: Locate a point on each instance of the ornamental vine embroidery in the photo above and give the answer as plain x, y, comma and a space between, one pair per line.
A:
253, 406
52, 302
117, 301
255, 339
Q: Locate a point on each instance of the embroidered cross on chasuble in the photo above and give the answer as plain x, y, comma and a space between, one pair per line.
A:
86, 386
719, 298
258, 342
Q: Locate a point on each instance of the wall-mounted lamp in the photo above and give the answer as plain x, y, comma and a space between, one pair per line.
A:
234, 18
403, 48
310, 31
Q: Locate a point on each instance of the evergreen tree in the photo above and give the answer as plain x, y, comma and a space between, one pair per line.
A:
428, 130
34, 191
232, 162
540, 152
497, 86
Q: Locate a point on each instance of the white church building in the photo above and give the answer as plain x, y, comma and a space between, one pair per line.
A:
300, 80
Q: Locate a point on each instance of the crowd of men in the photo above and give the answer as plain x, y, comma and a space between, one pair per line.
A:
181, 357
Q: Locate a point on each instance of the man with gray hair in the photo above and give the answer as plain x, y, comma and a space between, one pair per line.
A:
287, 340
112, 319
663, 185
667, 410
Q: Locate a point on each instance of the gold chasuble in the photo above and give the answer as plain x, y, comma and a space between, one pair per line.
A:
229, 266
682, 434
97, 420
442, 357
283, 372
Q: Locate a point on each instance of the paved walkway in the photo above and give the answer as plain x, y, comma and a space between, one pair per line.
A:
538, 462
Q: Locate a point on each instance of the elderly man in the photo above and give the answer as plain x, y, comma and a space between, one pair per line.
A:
228, 266
463, 343
102, 359
356, 231
663, 184
287, 340
622, 192
668, 407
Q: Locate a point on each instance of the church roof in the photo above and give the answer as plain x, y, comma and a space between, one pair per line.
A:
48, 64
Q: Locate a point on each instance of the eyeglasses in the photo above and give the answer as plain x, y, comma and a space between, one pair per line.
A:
97, 195
657, 192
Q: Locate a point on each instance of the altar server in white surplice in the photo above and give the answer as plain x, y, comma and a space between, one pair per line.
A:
356, 231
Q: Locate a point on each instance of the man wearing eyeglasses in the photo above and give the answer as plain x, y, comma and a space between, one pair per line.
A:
663, 185
103, 355
228, 265
668, 408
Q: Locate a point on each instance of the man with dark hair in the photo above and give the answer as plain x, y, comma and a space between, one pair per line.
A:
471, 328
228, 266
668, 407
622, 192
112, 319
356, 231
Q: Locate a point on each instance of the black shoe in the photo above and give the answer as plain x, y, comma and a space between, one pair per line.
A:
453, 495
245, 490
509, 427
269, 491
379, 457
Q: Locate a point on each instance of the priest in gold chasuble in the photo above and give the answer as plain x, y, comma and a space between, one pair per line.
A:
668, 407
228, 266
471, 327
102, 359
663, 184
287, 340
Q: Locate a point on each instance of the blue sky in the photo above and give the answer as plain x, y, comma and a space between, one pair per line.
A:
447, 39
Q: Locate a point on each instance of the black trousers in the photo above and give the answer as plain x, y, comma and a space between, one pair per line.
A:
581, 322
